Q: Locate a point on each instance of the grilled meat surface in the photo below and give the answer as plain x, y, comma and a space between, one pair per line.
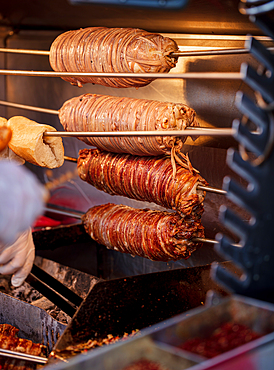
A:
94, 112
143, 178
159, 236
102, 49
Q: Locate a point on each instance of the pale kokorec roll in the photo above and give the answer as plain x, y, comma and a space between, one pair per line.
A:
28, 142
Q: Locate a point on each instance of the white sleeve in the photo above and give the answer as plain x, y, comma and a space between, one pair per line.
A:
21, 200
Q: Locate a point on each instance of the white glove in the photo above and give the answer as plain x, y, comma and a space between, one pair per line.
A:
17, 259
21, 200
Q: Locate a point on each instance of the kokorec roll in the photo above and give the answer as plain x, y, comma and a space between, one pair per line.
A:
157, 235
92, 112
102, 49
144, 178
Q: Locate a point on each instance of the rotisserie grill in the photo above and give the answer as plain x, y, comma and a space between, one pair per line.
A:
151, 126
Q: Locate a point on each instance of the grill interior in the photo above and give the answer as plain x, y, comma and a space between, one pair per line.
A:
217, 25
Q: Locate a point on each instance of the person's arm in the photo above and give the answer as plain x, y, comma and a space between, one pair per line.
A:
21, 202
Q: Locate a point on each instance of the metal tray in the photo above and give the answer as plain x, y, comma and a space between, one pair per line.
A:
162, 339
33, 322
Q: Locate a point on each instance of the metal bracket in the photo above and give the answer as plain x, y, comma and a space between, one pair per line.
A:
254, 162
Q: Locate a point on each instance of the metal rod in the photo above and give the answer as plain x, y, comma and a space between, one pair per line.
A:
210, 189
210, 52
199, 131
174, 54
211, 241
70, 159
29, 107
78, 215
23, 356
186, 75
203, 131
205, 240
64, 212
25, 51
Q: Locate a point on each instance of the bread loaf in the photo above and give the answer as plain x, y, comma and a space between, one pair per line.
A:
5, 134
5, 151
28, 141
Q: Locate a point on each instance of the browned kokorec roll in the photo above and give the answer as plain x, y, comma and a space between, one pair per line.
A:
157, 235
101, 49
92, 112
143, 178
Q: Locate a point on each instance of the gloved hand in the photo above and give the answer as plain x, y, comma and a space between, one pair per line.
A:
17, 259
21, 200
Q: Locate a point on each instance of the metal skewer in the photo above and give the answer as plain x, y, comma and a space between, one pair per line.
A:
211, 52
196, 131
78, 215
70, 159
25, 51
211, 241
174, 54
210, 189
29, 107
186, 75
63, 211
23, 356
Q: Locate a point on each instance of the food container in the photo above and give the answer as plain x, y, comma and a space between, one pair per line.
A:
160, 342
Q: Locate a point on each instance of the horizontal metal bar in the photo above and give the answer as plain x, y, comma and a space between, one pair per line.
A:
186, 75
199, 131
23, 356
79, 215
205, 240
199, 37
211, 241
191, 131
210, 189
211, 52
24, 51
64, 212
70, 159
29, 107
174, 54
